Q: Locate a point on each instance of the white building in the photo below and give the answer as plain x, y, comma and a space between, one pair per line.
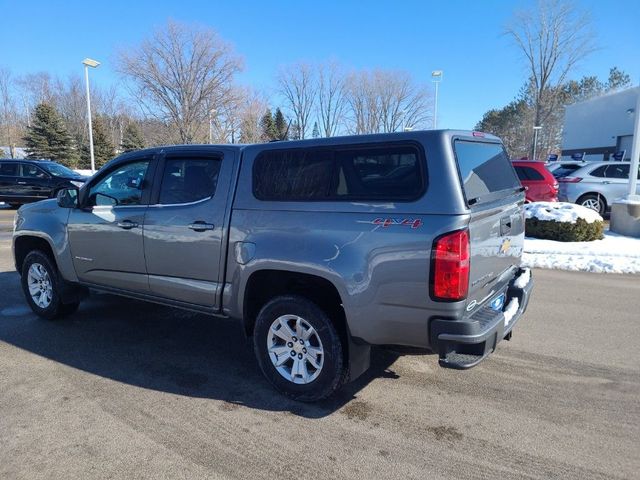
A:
601, 127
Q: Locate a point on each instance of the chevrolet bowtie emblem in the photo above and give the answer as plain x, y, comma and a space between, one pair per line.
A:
506, 245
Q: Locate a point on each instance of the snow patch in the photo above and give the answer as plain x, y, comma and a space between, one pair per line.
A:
614, 254
560, 212
511, 310
523, 279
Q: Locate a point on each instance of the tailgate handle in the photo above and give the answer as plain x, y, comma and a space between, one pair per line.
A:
505, 225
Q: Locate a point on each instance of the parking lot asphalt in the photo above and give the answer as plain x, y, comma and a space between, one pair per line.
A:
124, 389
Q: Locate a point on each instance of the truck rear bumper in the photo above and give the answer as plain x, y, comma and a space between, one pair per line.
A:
463, 344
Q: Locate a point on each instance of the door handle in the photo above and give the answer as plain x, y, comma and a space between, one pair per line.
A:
201, 226
22, 183
127, 224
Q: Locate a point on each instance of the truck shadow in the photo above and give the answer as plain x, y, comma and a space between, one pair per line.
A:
164, 349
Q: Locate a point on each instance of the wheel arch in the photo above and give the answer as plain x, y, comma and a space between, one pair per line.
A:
23, 244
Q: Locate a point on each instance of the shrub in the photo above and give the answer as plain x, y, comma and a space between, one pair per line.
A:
580, 231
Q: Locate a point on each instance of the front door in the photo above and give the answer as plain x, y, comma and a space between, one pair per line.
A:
184, 226
34, 182
105, 234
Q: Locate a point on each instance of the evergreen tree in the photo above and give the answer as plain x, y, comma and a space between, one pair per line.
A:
280, 125
316, 130
49, 138
132, 138
267, 127
103, 149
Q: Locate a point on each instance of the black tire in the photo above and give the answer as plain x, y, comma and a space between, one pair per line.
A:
333, 372
590, 198
55, 308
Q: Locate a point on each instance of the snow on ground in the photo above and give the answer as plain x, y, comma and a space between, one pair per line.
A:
560, 212
614, 254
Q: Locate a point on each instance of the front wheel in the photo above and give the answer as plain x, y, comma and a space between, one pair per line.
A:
41, 284
298, 348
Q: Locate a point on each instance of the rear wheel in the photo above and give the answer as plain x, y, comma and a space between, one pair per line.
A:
41, 284
594, 202
298, 348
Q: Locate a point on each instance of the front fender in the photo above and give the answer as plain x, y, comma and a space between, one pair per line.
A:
45, 220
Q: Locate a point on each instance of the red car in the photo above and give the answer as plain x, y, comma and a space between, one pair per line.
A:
540, 185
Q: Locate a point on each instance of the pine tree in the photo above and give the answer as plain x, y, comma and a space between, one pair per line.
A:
316, 130
267, 127
280, 125
49, 138
103, 149
132, 138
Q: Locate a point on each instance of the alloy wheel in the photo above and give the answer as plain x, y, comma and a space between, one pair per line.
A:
295, 349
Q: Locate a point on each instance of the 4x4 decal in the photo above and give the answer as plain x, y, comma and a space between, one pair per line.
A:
389, 222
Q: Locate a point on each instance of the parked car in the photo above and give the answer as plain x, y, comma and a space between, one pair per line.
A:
596, 185
24, 181
319, 248
540, 185
563, 168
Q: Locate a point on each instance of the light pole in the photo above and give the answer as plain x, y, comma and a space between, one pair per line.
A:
436, 77
635, 154
87, 62
535, 139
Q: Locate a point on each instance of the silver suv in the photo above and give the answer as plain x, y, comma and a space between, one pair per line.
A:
319, 248
595, 185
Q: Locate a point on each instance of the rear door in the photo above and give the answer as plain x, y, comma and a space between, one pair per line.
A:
616, 181
8, 179
184, 226
496, 226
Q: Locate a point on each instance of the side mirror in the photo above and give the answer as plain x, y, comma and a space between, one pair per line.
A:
68, 198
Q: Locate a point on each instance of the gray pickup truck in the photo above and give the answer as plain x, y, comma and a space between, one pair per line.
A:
321, 248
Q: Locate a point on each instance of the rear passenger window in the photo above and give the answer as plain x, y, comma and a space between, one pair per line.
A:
533, 174
484, 168
618, 171
370, 173
599, 172
187, 180
9, 169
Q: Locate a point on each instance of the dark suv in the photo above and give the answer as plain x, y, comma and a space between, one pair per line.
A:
25, 181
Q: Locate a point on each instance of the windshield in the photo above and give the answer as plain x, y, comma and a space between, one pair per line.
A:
58, 170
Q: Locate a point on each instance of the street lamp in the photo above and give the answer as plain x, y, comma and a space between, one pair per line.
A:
88, 62
436, 78
535, 139
635, 153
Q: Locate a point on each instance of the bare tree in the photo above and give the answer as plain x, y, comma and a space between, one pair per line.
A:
553, 38
179, 73
7, 112
386, 101
332, 86
298, 86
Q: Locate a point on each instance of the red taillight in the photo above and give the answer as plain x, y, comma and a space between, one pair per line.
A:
569, 179
450, 275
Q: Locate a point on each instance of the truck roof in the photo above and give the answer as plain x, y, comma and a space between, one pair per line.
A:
338, 140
